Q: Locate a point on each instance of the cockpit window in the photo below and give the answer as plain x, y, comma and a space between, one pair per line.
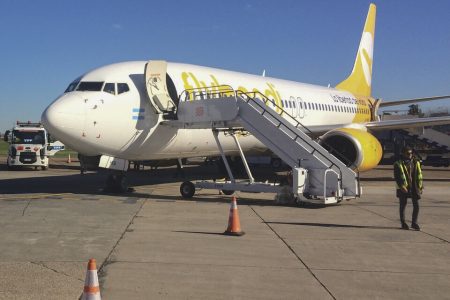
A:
122, 88
91, 86
110, 88
72, 85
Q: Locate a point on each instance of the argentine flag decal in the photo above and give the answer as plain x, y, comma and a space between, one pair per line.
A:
138, 114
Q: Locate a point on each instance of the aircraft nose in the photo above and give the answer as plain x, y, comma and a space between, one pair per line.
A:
64, 116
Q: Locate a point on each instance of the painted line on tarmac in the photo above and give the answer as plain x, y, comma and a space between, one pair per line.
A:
310, 270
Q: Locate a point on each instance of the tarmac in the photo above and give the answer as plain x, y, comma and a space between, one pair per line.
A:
152, 244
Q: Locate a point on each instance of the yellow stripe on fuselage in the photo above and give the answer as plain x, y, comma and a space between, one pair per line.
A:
363, 111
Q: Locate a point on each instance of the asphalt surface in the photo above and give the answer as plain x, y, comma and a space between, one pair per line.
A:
152, 244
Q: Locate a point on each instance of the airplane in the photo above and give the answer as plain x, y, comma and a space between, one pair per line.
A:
120, 111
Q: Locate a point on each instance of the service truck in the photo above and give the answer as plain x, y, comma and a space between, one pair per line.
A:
29, 145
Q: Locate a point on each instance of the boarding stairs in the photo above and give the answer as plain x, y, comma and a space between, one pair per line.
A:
317, 175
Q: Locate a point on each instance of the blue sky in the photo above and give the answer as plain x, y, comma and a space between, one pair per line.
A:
47, 43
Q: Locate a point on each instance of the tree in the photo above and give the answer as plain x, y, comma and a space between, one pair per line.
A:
414, 110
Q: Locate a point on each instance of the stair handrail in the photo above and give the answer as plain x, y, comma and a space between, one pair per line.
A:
204, 93
297, 125
265, 100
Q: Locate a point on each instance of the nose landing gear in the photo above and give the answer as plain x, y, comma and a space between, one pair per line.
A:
117, 183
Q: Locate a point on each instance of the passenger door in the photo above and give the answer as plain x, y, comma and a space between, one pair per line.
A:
156, 86
300, 104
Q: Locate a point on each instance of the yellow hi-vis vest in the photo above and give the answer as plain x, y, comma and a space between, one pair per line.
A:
417, 179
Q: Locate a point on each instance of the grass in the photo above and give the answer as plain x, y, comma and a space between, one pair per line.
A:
3, 147
66, 152
4, 150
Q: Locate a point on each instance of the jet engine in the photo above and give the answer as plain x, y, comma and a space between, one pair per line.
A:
357, 148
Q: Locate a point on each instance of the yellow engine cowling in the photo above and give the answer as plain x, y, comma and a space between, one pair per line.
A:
357, 148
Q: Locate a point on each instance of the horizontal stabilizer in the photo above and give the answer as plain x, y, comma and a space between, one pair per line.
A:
407, 123
413, 100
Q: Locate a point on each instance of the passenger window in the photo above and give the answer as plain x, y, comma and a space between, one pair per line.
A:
122, 88
110, 88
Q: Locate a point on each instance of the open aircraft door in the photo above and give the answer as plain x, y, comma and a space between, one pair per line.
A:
301, 106
156, 86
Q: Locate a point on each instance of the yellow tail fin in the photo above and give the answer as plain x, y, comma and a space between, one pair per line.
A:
360, 80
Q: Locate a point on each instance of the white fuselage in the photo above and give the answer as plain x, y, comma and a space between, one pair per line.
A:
93, 121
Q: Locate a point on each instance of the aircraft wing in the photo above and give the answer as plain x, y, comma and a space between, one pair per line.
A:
413, 100
407, 123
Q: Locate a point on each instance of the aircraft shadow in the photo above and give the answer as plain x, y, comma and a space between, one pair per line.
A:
332, 225
92, 183
199, 232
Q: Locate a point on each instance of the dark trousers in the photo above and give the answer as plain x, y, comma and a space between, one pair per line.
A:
415, 214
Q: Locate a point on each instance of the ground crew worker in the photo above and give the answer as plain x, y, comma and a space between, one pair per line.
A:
408, 176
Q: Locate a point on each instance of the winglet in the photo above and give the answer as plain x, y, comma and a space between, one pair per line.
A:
360, 80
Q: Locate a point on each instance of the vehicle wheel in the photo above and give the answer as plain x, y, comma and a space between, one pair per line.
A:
187, 189
228, 192
276, 163
44, 168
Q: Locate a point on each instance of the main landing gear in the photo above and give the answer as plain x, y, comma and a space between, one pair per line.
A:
117, 183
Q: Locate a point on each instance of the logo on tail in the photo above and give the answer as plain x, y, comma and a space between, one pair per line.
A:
360, 80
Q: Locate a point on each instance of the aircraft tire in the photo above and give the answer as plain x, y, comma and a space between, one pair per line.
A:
116, 183
187, 189
276, 163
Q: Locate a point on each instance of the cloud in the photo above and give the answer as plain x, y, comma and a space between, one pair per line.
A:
117, 26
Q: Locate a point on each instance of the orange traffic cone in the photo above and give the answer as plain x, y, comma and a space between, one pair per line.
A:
91, 287
68, 159
234, 225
